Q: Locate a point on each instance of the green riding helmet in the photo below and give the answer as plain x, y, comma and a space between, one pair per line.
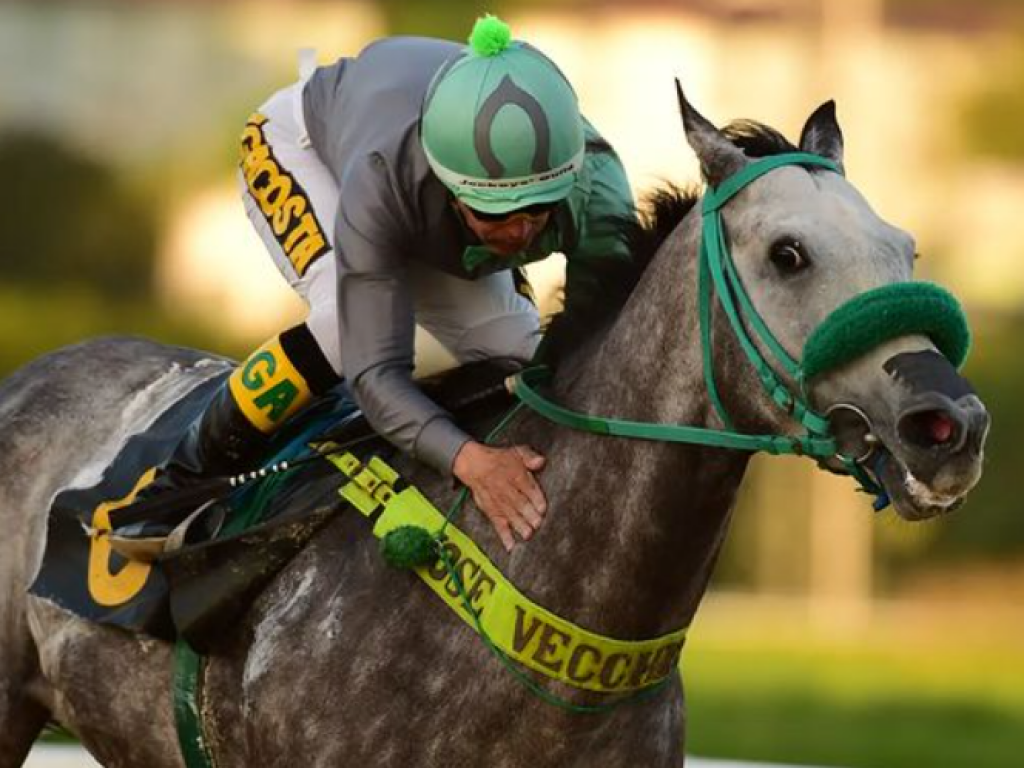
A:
501, 126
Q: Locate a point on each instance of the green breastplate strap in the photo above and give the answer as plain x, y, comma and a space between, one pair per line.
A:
513, 627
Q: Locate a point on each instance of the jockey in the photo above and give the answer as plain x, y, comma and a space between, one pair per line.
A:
410, 184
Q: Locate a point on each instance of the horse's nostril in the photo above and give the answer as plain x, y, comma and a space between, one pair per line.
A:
930, 429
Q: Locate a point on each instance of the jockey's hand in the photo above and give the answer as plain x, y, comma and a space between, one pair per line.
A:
503, 487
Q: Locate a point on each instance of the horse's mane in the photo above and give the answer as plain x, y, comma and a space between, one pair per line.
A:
658, 215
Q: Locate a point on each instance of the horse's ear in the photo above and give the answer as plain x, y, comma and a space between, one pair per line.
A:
821, 134
719, 157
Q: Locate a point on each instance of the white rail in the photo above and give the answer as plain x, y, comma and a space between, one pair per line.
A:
49, 756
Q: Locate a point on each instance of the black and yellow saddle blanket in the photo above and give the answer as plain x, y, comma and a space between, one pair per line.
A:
203, 587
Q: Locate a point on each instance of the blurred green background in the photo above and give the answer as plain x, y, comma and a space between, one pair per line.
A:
831, 636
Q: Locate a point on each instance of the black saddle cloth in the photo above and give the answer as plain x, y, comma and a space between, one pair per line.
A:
205, 587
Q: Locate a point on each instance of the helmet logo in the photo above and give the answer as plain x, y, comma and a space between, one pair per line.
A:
507, 93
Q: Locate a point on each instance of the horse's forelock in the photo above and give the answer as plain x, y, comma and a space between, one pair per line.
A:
757, 139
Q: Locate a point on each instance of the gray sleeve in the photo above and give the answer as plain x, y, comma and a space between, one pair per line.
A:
377, 325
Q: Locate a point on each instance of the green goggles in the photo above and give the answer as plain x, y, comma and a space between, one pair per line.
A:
530, 211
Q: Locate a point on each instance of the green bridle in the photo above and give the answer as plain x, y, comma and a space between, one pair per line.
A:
853, 329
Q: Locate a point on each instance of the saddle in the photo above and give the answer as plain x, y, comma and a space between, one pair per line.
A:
229, 548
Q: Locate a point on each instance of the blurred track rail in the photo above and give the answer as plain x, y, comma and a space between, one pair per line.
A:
51, 756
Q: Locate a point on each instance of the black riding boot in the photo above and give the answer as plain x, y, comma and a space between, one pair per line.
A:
221, 442
275, 382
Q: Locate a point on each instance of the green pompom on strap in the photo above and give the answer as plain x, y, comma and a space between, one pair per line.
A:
408, 547
885, 313
490, 36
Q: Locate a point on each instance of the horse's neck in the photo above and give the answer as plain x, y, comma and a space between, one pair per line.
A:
634, 526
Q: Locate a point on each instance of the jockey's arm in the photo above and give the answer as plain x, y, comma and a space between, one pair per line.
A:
376, 335
377, 332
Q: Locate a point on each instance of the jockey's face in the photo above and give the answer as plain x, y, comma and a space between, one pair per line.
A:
506, 235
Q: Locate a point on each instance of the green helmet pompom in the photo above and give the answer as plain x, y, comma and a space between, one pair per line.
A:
409, 546
490, 36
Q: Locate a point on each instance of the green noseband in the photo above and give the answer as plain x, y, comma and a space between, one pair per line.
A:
885, 313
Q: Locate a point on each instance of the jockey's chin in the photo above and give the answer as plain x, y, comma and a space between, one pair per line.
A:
507, 247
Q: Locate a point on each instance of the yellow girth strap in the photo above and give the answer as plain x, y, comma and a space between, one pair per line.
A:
523, 630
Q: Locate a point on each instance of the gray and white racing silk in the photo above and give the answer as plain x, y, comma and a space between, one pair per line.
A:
396, 249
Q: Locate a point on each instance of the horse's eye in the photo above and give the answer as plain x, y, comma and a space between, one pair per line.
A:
788, 256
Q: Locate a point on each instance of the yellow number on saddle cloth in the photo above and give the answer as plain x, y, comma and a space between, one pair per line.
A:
105, 587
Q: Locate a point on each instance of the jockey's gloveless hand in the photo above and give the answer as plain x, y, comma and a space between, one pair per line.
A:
503, 487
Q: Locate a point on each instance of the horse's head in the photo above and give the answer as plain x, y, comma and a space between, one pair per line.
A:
832, 282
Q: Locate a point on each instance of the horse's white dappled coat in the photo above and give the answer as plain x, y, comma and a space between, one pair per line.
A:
344, 662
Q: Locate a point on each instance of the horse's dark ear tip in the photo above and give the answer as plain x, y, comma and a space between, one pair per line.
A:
683, 104
685, 108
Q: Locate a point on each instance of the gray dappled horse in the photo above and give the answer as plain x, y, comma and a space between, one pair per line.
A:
344, 662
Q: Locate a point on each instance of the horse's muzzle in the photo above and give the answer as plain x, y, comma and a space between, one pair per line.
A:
942, 440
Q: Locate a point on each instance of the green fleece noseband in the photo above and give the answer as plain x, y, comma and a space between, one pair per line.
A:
883, 314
